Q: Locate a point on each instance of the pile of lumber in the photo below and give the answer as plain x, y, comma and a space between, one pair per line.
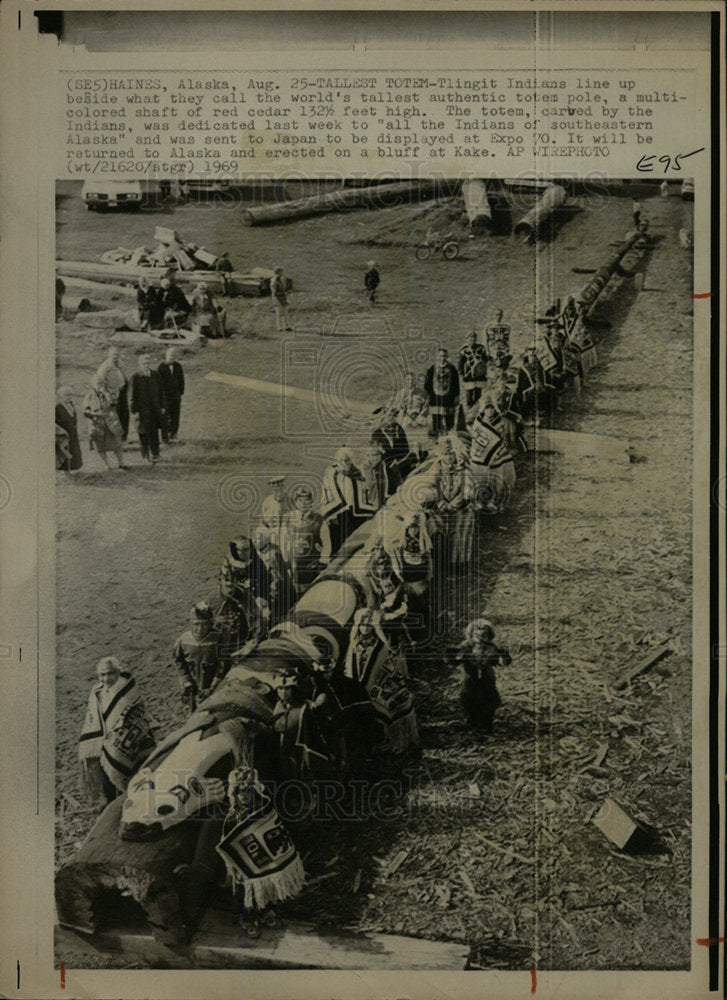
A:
170, 251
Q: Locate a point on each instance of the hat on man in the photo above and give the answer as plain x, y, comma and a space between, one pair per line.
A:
201, 612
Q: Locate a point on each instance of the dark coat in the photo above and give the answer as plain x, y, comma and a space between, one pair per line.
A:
479, 696
147, 400
174, 298
396, 453
150, 305
172, 376
431, 387
372, 280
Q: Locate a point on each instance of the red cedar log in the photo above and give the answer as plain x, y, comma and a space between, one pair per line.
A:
345, 198
87, 886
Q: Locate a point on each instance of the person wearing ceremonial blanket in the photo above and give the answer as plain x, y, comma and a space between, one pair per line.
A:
304, 755
569, 357
281, 592
261, 859
391, 439
378, 485
341, 707
244, 582
502, 394
453, 518
551, 358
372, 662
305, 540
388, 593
498, 341
491, 462
441, 385
578, 337
411, 551
472, 365
410, 404
344, 504
535, 395
569, 315
116, 735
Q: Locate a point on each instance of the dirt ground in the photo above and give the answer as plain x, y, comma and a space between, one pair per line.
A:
588, 571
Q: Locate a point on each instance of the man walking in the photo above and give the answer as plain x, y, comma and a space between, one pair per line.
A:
147, 405
115, 384
280, 301
372, 280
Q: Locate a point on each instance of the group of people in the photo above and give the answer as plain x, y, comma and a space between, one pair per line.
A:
412, 544
486, 377
151, 400
160, 306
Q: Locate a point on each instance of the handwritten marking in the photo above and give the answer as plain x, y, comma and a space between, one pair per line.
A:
63, 975
702, 295
18, 974
533, 980
645, 166
709, 942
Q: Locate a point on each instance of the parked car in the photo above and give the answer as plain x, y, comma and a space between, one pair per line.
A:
111, 194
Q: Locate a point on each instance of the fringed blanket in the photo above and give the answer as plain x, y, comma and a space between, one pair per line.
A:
260, 857
382, 672
98, 724
492, 465
127, 744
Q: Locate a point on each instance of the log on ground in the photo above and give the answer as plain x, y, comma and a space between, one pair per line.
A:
89, 887
346, 198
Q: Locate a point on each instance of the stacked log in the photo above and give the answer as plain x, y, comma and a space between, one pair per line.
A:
255, 283
530, 227
335, 201
477, 205
95, 290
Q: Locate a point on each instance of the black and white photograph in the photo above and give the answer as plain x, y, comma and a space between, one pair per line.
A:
363, 631
374, 574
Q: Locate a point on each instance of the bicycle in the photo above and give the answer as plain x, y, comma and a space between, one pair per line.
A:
447, 245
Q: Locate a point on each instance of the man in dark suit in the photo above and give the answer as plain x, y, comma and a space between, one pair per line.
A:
172, 376
441, 385
147, 406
